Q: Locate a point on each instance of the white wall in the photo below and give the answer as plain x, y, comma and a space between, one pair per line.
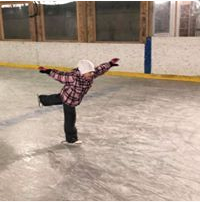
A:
170, 55
176, 55
68, 54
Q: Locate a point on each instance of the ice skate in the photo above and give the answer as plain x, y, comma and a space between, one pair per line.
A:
78, 142
39, 103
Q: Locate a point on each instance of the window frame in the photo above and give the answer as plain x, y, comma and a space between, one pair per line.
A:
144, 23
31, 21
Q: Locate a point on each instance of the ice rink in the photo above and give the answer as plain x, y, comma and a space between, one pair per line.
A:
141, 140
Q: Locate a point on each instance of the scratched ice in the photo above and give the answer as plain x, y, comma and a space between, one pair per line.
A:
140, 141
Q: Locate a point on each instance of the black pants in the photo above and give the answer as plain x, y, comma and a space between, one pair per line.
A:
69, 115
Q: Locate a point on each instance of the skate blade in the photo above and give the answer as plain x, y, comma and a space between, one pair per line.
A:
78, 142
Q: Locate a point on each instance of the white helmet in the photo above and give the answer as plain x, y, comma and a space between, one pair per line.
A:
85, 66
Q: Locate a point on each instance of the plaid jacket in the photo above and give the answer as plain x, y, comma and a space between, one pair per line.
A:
76, 86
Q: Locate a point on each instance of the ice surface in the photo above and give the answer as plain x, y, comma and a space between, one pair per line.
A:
140, 141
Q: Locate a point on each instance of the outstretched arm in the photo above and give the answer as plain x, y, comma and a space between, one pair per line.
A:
103, 68
63, 77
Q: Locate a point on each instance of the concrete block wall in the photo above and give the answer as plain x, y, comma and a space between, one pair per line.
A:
68, 54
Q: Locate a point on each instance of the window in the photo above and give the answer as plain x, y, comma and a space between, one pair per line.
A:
189, 18
117, 21
60, 21
162, 17
16, 21
180, 18
125, 21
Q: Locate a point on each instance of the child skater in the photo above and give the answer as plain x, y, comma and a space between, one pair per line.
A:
76, 85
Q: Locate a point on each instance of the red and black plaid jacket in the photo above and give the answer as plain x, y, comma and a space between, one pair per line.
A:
76, 86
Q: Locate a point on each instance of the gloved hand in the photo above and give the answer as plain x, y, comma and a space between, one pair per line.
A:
114, 61
44, 70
